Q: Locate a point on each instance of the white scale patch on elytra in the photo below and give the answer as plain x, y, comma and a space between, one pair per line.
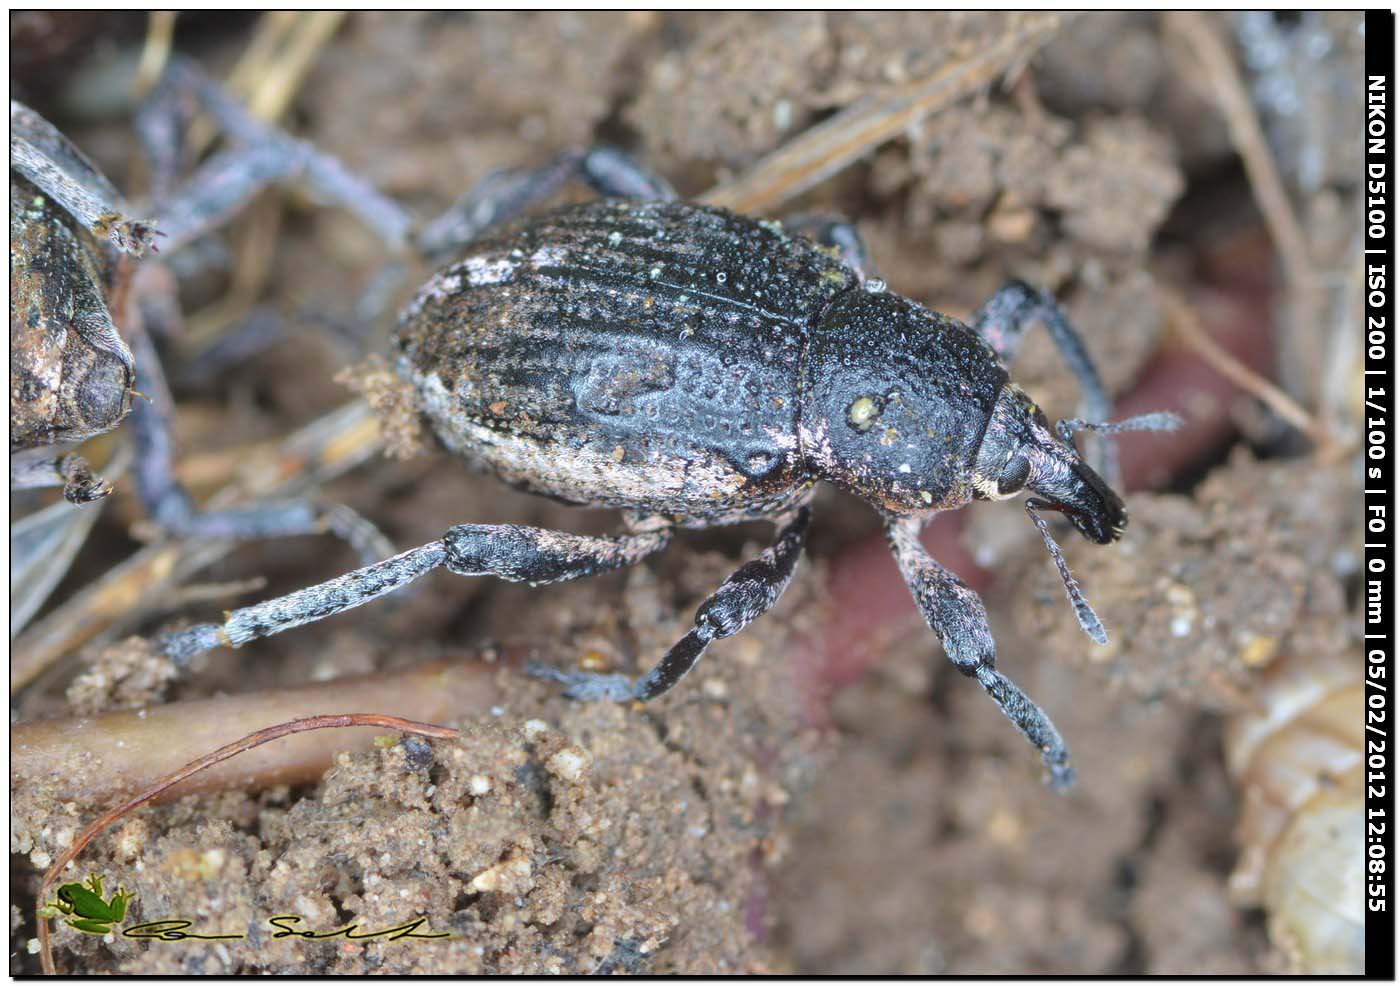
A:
587, 475
474, 272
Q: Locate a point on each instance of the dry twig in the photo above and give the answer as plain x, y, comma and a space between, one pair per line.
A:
1227, 90
826, 149
1187, 325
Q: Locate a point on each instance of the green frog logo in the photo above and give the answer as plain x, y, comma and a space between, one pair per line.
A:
85, 909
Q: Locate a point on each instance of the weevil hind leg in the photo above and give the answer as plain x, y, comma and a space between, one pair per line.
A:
746, 595
504, 551
505, 195
956, 614
1002, 323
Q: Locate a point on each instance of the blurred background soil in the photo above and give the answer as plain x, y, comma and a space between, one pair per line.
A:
824, 794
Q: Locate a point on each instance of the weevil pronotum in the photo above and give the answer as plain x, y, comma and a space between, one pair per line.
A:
692, 368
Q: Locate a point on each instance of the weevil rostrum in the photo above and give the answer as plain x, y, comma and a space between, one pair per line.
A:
693, 368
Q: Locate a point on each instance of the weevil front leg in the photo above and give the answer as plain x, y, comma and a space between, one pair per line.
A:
1002, 323
746, 595
503, 196
957, 615
504, 551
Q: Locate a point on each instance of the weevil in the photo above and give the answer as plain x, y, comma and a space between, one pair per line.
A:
692, 367
73, 373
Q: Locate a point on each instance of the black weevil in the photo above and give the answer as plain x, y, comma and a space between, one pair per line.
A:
694, 368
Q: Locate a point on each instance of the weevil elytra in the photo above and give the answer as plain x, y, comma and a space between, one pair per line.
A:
692, 367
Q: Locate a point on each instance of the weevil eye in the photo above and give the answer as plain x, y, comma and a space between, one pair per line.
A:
1013, 475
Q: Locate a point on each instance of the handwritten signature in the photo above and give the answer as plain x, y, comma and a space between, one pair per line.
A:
177, 929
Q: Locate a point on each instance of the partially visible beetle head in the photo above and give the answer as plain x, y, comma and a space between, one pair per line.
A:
1019, 450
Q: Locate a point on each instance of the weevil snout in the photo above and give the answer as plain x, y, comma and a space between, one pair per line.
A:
1080, 494
1020, 450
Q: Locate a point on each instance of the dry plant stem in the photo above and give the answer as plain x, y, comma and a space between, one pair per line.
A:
1187, 325
279, 83
160, 33
328, 447
266, 81
272, 67
1227, 90
826, 149
95, 759
233, 749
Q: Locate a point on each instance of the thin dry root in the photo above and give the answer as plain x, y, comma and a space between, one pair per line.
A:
1187, 326
98, 758
241, 745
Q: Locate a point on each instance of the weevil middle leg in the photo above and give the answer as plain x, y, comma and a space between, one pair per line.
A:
746, 595
836, 233
505, 195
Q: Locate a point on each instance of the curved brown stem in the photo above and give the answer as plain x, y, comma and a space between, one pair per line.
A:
233, 749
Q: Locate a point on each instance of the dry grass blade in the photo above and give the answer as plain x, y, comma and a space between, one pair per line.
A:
826, 149
1227, 90
328, 447
265, 80
160, 33
1187, 325
233, 749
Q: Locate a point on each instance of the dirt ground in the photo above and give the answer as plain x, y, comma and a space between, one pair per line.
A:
825, 794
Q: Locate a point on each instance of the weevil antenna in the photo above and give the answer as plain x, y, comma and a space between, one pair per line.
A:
1088, 619
1156, 421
